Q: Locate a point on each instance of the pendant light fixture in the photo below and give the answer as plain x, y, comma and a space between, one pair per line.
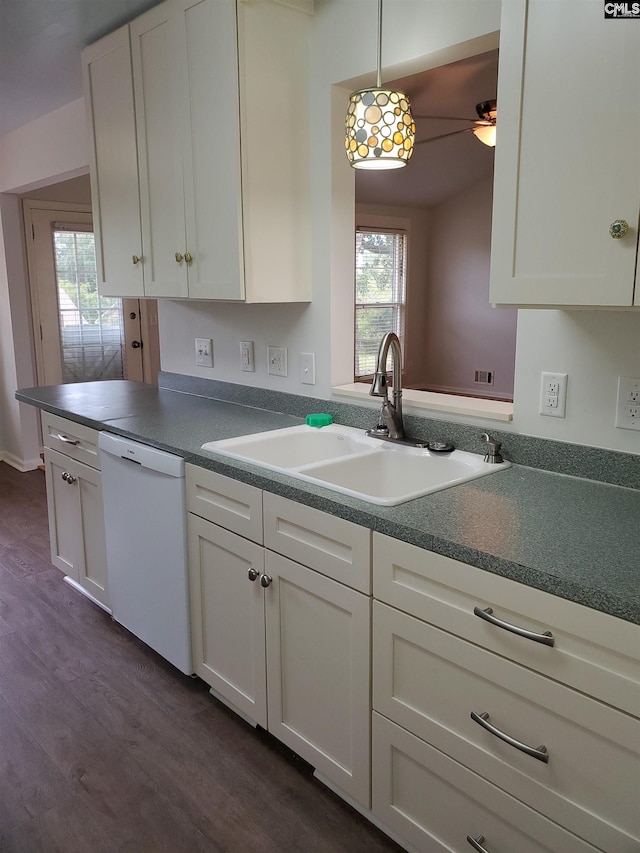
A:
380, 130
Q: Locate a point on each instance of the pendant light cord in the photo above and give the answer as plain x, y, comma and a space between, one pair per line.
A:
379, 77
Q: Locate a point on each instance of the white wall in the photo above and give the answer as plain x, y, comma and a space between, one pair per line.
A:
20, 438
52, 148
593, 348
462, 332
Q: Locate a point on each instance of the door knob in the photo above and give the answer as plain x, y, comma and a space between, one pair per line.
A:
618, 228
135, 259
265, 581
252, 574
188, 257
179, 258
136, 344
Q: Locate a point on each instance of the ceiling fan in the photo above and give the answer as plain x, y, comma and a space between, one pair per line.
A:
484, 127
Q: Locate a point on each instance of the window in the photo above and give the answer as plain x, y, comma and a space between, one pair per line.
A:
91, 326
381, 275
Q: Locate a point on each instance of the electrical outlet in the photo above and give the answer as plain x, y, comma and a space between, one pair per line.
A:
277, 361
628, 407
553, 395
307, 368
204, 352
247, 362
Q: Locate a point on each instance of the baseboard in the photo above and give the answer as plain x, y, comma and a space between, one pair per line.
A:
22, 465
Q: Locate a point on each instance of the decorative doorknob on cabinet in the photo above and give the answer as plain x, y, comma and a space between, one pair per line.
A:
179, 258
618, 228
135, 259
265, 581
188, 257
252, 574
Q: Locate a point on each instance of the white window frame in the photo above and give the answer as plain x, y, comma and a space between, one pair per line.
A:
398, 304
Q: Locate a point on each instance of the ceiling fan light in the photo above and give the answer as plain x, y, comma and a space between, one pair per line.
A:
486, 133
380, 130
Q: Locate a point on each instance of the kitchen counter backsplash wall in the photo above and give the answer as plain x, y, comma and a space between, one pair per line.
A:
594, 463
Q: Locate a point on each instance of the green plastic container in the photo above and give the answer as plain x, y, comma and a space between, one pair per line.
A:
319, 419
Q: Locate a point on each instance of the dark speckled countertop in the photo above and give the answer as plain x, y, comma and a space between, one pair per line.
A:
576, 538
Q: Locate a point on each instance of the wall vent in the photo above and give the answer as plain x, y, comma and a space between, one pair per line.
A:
483, 377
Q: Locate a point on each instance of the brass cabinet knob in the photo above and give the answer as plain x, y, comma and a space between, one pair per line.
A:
618, 228
179, 257
188, 257
135, 259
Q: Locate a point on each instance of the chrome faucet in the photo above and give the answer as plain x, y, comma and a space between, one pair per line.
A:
391, 414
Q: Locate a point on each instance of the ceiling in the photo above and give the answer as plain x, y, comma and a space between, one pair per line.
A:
40, 71
445, 167
40, 44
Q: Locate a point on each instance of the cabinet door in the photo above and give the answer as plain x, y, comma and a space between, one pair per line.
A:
227, 616
274, 57
567, 155
108, 87
76, 522
207, 67
157, 100
318, 665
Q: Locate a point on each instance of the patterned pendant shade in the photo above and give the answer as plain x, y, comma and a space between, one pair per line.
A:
380, 130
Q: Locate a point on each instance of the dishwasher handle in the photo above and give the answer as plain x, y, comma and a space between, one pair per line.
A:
148, 457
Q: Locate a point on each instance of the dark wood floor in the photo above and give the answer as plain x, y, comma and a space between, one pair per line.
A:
106, 747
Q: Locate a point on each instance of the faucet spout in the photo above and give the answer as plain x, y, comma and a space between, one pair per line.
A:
391, 412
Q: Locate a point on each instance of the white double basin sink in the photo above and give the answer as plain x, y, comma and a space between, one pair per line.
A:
349, 461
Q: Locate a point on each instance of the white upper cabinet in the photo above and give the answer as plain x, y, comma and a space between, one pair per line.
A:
566, 163
108, 87
210, 137
157, 102
211, 79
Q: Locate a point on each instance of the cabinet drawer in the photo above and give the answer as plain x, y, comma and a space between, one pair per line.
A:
337, 548
593, 652
79, 442
228, 503
430, 682
434, 803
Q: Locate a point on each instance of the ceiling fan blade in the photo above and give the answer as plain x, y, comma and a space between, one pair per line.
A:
448, 118
442, 136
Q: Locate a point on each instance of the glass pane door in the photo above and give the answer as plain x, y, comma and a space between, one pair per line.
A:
91, 326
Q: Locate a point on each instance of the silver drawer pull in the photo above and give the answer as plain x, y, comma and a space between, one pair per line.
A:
546, 639
539, 752
68, 440
477, 843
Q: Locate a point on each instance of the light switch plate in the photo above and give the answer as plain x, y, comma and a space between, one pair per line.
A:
204, 352
277, 361
307, 368
247, 361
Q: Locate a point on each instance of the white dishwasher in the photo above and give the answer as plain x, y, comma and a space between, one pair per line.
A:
145, 523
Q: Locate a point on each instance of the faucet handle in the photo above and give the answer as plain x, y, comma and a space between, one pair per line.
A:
493, 448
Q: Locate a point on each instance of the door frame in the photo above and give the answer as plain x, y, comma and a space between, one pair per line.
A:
142, 366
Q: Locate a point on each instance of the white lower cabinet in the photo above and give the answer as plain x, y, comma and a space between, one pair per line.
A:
282, 643
318, 672
74, 503
479, 729
227, 616
502, 719
439, 806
